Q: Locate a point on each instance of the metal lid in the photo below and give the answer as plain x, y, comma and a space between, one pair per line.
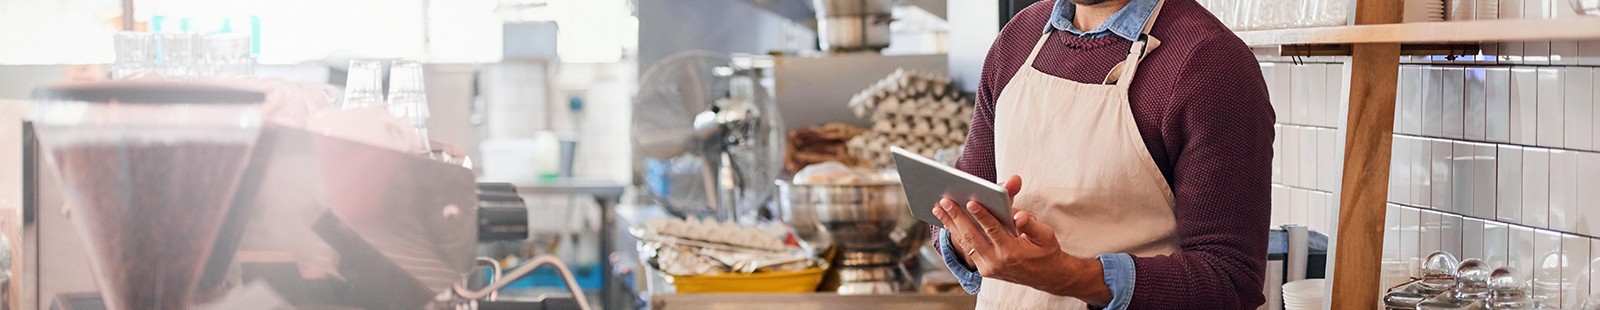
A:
147, 92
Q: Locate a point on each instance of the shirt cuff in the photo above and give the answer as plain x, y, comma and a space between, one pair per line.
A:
1119, 272
970, 279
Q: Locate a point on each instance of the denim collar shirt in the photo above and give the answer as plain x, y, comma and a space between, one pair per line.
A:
1126, 23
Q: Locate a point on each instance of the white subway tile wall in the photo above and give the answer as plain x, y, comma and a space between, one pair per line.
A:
1579, 108
1551, 110
1509, 181
1462, 178
1522, 251
1489, 161
1547, 266
1524, 105
1443, 151
1452, 228
1410, 91
1432, 103
1593, 262
1574, 270
1472, 239
1411, 239
1564, 190
1306, 160
1476, 105
1497, 93
1452, 85
1432, 232
1496, 243
1588, 221
1536, 187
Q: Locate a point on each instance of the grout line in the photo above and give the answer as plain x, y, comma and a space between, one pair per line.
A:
1303, 188
1306, 126
1420, 208
1497, 143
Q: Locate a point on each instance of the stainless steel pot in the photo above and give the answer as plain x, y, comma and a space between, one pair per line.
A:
854, 25
856, 218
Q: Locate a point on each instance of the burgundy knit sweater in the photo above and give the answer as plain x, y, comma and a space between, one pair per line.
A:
1201, 106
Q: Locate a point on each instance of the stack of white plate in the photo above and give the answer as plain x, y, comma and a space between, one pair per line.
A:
1303, 295
1417, 11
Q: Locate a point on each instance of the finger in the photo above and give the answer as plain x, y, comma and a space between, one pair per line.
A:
991, 227
1013, 186
961, 227
1035, 232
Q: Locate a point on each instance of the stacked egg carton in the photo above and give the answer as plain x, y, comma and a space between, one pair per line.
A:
713, 231
918, 111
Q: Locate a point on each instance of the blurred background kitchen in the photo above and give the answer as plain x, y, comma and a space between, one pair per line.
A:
578, 119
633, 154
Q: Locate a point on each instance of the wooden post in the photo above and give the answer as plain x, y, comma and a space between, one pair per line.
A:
1369, 131
1368, 135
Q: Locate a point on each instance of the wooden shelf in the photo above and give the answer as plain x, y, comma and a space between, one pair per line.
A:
1563, 29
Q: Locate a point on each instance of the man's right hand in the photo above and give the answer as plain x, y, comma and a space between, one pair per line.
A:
1012, 186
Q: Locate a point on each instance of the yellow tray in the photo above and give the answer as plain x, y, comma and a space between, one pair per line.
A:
805, 280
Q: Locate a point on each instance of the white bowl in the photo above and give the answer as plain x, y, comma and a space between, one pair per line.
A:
1305, 287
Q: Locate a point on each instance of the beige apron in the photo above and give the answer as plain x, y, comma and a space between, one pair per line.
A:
1084, 167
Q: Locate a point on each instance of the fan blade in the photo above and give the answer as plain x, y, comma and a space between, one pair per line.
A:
665, 143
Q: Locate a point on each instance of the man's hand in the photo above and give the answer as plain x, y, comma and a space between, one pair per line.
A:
1032, 257
1012, 186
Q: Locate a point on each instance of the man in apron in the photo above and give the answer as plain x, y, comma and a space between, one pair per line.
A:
1140, 175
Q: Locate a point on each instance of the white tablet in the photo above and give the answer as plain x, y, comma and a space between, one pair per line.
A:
927, 181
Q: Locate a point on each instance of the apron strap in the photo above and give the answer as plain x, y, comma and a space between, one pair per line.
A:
1036, 47
1123, 72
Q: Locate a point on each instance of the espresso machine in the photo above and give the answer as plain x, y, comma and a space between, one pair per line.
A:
176, 195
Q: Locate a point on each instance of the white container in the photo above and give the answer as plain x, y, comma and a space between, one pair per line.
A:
522, 161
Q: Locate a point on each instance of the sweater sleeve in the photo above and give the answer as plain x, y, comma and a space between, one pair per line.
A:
1221, 124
